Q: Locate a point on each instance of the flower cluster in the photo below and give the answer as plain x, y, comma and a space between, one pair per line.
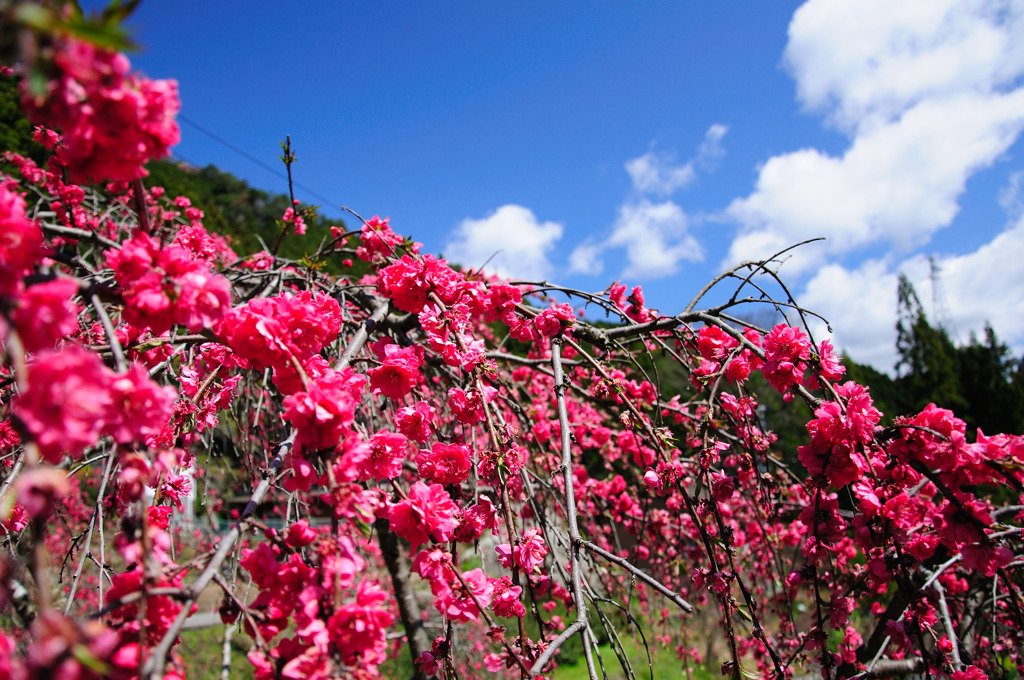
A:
165, 286
72, 399
112, 121
274, 332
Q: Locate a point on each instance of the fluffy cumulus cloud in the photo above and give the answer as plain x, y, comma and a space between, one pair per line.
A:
511, 241
654, 235
655, 238
866, 62
928, 92
975, 288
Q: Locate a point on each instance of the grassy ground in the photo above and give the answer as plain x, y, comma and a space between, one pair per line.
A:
665, 665
201, 651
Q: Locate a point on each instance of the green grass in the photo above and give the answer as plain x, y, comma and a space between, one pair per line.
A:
201, 652
665, 665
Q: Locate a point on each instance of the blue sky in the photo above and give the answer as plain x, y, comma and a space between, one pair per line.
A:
656, 142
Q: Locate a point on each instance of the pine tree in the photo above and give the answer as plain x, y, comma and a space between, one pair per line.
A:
928, 368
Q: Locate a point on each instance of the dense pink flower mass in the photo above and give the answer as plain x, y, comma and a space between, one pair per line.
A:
324, 410
409, 282
785, 349
66, 403
164, 286
416, 421
395, 446
387, 453
714, 344
112, 121
269, 332
376, 240
21, 240
358, 629
73, 398
555, 321
46, 313
838, 439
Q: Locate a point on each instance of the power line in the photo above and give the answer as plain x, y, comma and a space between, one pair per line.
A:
248, 156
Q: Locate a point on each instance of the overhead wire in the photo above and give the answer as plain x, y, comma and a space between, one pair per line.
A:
253, 159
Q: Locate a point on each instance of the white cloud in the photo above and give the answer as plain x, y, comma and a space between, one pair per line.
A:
860, 305
865, 61
984, 286
711, 149
654, 235
925, 90
586, 259
511, 238
898, 183
655, 238
655, 173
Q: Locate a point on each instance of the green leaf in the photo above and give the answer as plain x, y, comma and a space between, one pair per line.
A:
86, 658
107, 36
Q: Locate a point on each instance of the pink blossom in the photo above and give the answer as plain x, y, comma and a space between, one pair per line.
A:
964, 522
38, 490
160, 610
140, 407
426, 663
447, 464
494, 663
164, 286
714, 344
454, 600
210, 248
296, 221
555, 321
969, 673
399, 369
21, 240
67, 401
300, 534
289, 380
479, 518
501, 302
322, 413
358, 628
530, 551
269, 331
786, 349
505, 599
112, 121
503, 552
722, 487
468, 407
404, 283
416, 421
427, 513
433, 565
831, 366
376, 240
387, 453
46, 313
